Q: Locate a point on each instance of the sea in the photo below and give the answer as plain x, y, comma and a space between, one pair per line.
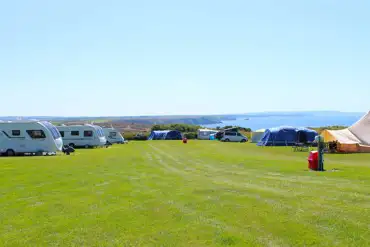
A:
264, 122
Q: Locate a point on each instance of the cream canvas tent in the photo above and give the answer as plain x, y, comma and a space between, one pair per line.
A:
257, 135
353, 139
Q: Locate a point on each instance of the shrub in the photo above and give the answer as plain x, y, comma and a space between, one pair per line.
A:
246, 133
238, 127
191, 135
135, 136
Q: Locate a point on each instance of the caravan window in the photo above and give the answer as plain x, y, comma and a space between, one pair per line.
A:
36, 134
16, 132
75, 133
112, 134
100, 131
61, 133
88, 133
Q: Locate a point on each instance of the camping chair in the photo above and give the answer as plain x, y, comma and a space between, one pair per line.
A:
301, 147
302, 143
332, 147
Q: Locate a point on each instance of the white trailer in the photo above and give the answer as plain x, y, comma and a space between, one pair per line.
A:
204, 134
113, 135
87, 135
29, 137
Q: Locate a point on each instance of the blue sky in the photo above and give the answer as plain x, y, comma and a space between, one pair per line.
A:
116, 57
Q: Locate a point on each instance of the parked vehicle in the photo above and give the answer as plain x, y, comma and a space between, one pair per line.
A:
29, 137
205, 134
233, 136
86, 136
113, 136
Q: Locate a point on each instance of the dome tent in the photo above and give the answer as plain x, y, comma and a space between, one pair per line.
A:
257, 135
165, 135
306, 135
286, 136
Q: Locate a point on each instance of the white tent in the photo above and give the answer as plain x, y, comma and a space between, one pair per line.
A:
343, 136
361, 129
257, 135
353, 139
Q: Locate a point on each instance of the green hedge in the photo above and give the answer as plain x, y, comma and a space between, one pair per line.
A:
238, 127
191, 135
129, 136
334, 127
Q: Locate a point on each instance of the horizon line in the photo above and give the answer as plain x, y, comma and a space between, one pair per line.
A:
179, 115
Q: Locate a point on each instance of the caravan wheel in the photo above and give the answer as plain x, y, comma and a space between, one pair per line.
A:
10, 152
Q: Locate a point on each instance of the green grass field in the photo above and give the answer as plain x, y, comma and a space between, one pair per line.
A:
165, 193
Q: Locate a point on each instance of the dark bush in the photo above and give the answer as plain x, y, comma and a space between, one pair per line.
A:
136, 136
191, 135
238, 127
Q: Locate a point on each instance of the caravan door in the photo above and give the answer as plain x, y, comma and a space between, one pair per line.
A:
88, 137
2, 142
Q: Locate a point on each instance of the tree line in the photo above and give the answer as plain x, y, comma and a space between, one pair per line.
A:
191, 131
179, 127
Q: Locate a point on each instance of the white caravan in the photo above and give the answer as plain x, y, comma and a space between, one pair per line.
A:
29, 137
87, 135
204, 134
113, 135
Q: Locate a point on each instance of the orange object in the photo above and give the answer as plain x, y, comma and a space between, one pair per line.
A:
313, 160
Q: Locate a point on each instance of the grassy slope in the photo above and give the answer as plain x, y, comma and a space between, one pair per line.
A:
171, 194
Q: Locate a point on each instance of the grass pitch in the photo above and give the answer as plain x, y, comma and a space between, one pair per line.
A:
165, 193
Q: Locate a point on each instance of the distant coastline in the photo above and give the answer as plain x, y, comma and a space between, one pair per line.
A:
250, 120
263, 122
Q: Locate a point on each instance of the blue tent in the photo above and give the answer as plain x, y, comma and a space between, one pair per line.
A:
165, 135
286, 136
306, 135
